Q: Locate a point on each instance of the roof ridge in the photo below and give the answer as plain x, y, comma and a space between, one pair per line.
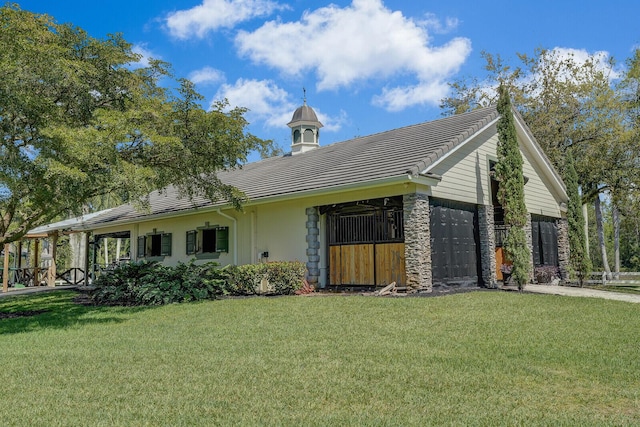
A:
456, 140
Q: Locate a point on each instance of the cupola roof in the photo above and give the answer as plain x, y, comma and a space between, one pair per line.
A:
304, 113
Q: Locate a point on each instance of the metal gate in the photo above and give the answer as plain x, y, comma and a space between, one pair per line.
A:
366, 248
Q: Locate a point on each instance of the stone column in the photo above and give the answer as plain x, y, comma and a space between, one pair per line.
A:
487, 233
528, 231
313, 246
562, 226
417, 242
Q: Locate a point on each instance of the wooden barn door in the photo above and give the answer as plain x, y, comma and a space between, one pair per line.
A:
366, 248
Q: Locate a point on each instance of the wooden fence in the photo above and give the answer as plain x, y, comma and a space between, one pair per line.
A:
31, 276
631, 279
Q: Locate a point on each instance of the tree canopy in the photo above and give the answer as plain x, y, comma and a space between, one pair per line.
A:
80, 118
586, 107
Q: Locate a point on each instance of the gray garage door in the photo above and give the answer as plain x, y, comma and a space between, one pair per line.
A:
455, 248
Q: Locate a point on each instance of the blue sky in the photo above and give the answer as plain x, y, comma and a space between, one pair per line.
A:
367, 65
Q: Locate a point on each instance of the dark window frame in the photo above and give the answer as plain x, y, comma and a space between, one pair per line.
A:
208, 241
155, 245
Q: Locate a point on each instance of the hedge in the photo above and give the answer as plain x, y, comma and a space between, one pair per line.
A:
150, 283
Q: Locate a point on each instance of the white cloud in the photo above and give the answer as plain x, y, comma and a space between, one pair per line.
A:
600, 59
269, 103
396, 99
355, 44
432, 22
145, 55
265, 100
330, 123
207, 75
212, 15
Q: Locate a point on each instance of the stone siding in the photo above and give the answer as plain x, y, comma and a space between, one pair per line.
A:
313, 246
529, 231
417, 240
563, 248
486, 229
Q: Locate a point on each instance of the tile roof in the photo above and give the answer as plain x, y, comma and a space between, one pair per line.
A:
394, 153
67, 224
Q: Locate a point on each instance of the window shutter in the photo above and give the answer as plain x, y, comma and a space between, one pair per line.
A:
165, 249
222, 239
142, 245
191, 242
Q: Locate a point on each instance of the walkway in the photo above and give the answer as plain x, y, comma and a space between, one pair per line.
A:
35, 289
582, 292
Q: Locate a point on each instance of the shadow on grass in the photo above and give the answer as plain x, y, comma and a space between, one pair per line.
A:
55, 310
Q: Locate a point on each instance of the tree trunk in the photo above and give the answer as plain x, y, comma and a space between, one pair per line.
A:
600, 228
585, 213
616, 239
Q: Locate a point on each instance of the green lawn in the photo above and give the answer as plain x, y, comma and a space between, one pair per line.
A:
481, 358
627, 289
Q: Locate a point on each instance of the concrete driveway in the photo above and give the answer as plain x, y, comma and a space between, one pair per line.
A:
581, 292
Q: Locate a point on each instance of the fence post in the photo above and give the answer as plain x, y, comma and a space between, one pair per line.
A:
604, 278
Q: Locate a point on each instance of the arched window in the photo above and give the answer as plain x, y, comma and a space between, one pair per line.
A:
296, 136
308, 135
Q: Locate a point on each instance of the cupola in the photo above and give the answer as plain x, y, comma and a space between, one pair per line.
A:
305, 129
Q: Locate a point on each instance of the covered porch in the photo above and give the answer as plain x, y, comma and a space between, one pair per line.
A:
61, 254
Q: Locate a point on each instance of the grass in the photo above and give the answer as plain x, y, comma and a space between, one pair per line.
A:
482, 358
626, 289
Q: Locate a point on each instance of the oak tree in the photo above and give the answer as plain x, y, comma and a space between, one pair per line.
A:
79, 118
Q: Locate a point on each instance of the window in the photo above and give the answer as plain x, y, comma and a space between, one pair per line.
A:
544, 239
154, 245
308, 136
191, 242
208, 240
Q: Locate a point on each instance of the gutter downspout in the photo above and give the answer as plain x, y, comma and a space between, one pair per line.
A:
234, 234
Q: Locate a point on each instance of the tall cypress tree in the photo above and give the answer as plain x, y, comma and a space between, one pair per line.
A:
579, 261
511, 192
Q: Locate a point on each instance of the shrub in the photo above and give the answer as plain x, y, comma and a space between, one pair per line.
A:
118, 286
149, 283
546, 273
183, 283
244, 279
283, 278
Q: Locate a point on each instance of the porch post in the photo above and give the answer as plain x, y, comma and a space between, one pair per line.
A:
487, 233
86, 258
5, 270
417, 241
36, 263
564, 250
51, 282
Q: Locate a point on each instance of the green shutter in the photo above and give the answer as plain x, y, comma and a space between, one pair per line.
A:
165, 249
191, 242
222, 239
142, 245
